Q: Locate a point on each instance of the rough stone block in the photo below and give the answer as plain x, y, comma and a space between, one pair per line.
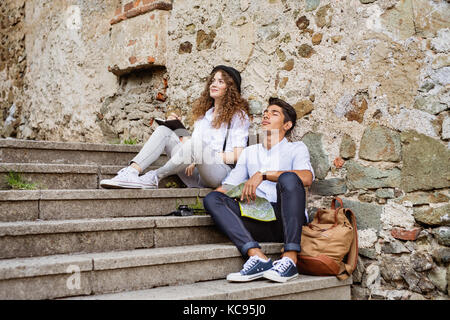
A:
19, 210
329, 187
367, 215
379, 143
34, 245
361, 177
403, 234
425, 163
152, 42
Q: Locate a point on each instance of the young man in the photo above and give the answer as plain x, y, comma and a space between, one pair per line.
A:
278, 171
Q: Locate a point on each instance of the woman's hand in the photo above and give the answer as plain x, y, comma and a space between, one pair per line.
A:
173, 116
249, 190
190, 170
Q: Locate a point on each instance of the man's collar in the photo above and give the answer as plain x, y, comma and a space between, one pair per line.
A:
278, 145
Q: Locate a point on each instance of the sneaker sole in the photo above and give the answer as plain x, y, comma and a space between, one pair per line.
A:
275, 277
241, 278
119, 185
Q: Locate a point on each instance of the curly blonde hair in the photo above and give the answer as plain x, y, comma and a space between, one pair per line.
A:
232, 102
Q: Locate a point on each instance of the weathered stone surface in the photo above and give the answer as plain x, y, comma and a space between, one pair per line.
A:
385, 193
441, 255
319, 159
392, 268
443, 235
329, 187
438, 277
446, 128
430, 104
303, 108
418, 282
419, 198
425, 163
395, 215
379, 143
431, 19
305, 50
127, 54
407, 235
316, 39
394, 247
205, 40
347, 149
302, 22
421, 261
289, 65
312, 5
185, 47
361, 177
255, 106
324, 16
433, 216
367, 215
352, 107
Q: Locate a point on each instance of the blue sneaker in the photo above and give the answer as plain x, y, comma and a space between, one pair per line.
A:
282, 271
253, 269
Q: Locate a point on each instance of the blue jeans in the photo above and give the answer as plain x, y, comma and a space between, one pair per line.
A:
246, 232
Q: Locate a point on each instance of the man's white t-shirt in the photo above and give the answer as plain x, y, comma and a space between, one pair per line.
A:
284, 156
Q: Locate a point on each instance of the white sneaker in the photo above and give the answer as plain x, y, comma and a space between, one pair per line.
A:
126, 178
149, 180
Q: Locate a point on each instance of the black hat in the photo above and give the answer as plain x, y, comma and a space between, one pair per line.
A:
233, 74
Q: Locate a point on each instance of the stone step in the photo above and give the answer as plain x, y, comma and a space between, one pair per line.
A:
27, 151
304, 287
41, 238
62, 176
99, 273
23, 205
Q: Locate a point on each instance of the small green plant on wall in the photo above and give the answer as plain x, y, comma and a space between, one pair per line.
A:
130, 141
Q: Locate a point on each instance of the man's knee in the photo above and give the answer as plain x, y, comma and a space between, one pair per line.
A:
211, 200
290, 181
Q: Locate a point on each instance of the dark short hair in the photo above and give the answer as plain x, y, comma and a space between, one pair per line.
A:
288, 111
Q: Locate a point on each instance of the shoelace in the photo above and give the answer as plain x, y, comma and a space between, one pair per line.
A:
250, 263
150, 178
282, 265
124, 172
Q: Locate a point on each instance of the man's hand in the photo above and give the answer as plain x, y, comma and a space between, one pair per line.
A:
249, 191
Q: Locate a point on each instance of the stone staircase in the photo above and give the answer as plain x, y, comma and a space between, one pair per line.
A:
70, 239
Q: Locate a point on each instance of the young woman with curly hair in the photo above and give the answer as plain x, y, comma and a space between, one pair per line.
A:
220, 134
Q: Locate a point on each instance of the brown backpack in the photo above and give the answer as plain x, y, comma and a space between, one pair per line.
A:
327, 241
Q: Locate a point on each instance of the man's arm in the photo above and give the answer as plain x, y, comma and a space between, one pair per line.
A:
304, 175
249, 191
220, 189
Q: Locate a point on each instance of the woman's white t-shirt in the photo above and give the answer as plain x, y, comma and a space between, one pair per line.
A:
215, 138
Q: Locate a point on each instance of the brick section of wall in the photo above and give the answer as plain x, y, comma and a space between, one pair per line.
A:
138, 7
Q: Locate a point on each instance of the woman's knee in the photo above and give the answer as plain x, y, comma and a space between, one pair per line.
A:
162, 130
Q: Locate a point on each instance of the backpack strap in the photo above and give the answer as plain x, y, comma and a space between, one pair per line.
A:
226, 137
352, 256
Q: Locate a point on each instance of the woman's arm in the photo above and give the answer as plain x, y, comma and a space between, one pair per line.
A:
231, 157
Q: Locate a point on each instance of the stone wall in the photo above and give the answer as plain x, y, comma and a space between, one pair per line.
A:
370, 83
12, 65
369, 80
